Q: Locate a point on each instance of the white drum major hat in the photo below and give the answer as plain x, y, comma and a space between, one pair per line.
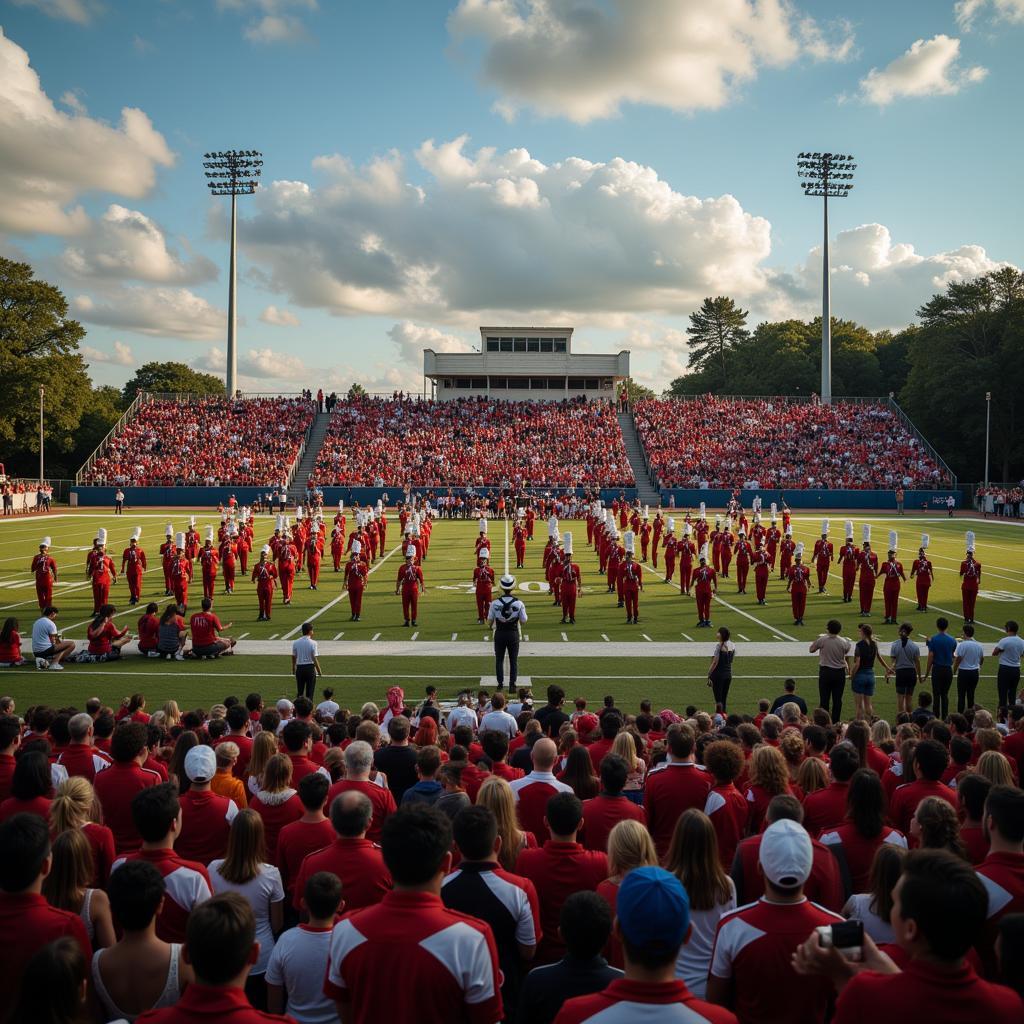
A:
849, 529
970, 541
629, 542
483, 526
924, 541
507, 582
567, 542
209, 533
410, 551
179, 541
892, 540
136, 533
101, 535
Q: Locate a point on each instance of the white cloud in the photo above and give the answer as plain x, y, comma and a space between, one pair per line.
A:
160, 312
48, 157
79, 11
266, 364
279, 317
121, 355
272, 21
1002, 10
500, 233
73, 102
412, 339
127, 244
584, 59
929, 68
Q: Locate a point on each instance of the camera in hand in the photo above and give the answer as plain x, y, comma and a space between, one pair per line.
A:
847, 937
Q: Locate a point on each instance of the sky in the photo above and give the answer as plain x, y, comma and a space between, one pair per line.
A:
431, 166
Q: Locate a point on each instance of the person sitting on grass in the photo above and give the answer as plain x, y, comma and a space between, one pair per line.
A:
48, 649
206, 627
10, 645
105, 639
171, 636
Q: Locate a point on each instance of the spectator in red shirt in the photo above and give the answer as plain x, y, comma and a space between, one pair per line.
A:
610, 725
559, 868
206, 629
604, 811
674, 786
826, 809
652, 924
31, 787
938, 914
276, 801
81, 756
205, 816
448, 961
726, 806
312, 832
352, 857
73, 808
533, 791
118, 785
930, 761
221, 947
496, 746
10, 740
297, 738
27, 921
237, 718
358, 765
1002, 871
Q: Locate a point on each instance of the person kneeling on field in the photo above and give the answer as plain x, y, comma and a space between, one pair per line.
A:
205, 628
171, 635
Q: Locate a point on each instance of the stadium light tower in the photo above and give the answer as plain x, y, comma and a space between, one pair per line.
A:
233, 172
825, 175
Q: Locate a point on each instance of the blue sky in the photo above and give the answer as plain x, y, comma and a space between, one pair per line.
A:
661, 137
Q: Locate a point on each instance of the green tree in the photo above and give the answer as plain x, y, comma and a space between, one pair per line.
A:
357, 391
174, 378
715, 328
636, 391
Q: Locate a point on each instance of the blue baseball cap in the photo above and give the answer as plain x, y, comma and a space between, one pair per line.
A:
653, 909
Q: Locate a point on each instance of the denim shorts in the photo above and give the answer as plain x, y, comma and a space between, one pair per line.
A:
864, 682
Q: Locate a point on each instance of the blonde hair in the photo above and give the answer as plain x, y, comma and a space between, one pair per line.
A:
791, 743
940, 826
630, 846
73, 805
277, 775
996, 768
70, 872
768, 769
988, 739
172, 715
624, 746
264, 747
881, 734
812, 775
496, 795
247, 848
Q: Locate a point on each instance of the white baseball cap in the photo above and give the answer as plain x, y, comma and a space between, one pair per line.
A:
507, 582
786, 854
201, 764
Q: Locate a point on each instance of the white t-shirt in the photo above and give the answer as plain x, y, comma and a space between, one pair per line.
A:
970, 653
299, 964
858, 908
1012, 649
328, 708
259, 892
694, 959
44, 634
461, 716
305, 650
500, 721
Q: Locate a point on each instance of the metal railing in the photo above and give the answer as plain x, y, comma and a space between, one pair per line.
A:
129, 414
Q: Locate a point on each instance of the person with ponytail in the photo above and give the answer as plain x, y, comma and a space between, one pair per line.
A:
906, 664
67, 887
75, 807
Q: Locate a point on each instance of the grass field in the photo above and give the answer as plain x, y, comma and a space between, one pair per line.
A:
663, 657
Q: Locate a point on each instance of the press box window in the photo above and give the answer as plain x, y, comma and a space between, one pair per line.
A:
547, 345
463, 382
533, 344
519, 345
518, 383
538, 383
559, 344
506, 344
493, 345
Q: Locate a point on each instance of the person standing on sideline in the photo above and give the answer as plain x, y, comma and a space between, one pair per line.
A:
968, 658
305, 662
833, 653
119, 503
900, 497
941, 651
505, 614
1009, 651
720, 672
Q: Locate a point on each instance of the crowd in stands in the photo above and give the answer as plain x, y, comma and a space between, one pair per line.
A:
205, 442
709, 441
499, 860
23, 496
473, 442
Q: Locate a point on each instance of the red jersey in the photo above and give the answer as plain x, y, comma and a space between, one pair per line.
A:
798, 576
43, 566
204, 626
209, 559
625, 1000
409, 576
673, 787
483, 578
970, 570
133, 557
359, 864
264, 573
602, 813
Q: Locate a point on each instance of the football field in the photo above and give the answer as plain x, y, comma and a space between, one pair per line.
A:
663, 657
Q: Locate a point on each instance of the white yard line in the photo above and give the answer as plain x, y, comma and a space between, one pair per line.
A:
413, 637
375, 637
565, 638
506, 547
243, 636
340, 635
646, 637
687, 637
604, 636
274, 636
455, 636
742, 637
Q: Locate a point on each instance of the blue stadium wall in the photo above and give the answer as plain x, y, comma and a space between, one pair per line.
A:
914, 501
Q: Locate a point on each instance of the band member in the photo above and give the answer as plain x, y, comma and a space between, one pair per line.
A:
209, 559
337, 546
287, 564
686, 553
701, 527
645, 536
102, 572
191, 540
705, 584
519, 543
531, 518
924, 573
727, 542
744, 554
796, 584
616, 556
227, 554
823, 553
572, 582
772, 538
314, 553
762, 570
483, 583
264, 575
671, 546
631, 578
786, 549
244, 542
372, 535
166, 557
44, 568
892, 570
339, 518
716, 545
181, 572
757, 534
410, 582
656, 530
868, 571
970, 573
848, 559
356, 574
553, 562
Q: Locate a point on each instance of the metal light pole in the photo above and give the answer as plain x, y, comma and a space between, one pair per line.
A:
41, 389
826, 174
233, 172
988, 420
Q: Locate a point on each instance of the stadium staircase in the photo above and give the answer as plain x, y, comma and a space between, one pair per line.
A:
645, 489
317, 433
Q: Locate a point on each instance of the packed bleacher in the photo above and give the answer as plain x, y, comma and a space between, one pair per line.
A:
472, 442
709, 441
322, 861
205, 442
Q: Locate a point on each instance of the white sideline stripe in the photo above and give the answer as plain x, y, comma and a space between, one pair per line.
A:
330, 604
243, 636
604, 636
375, 637
274, 636
413, 637
506, 546
339, 636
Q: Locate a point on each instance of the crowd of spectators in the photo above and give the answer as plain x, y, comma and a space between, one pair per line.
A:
205, 442
505, 861
473, 442
709, 441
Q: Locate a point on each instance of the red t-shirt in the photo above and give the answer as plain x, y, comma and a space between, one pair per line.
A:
276, 814
205, 823
115, 788
11, 651
84, 760
728, 810
597, 751
826, 808
602, 813
906, 799
101, 842
7, 763
856, 853
824, 886
204, 626
365, 879
532, 793
382, 799
100, 639
1002, 874
671, 788
625, 1000
39, 805
295, 842
204, 1003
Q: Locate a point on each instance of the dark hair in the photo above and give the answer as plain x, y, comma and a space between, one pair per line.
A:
303, 707
295, 734
270, 719
307, 628
322, 894
10, 730
312, 790
834, 626
32, 776
154, 811
564, 812
943, 895
351, 813
961, 750
170, 613
555, 694
968, 629
128, 741
24, 846
152, 608
494, 744
51, 984
428, 760
784, 807
585, 923
972, 792
236, 717
104, 725
475, 828
135, 890
220, 936
579, 773
942, 623
724, 760
844, 760
680, 739
930, 760
865, 803
789, 685
1011, 942
176, 766
415, 841
816, 736
1005, 806
399, 728
10, 625
610, 726
614, 772
886, 868
253, 701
